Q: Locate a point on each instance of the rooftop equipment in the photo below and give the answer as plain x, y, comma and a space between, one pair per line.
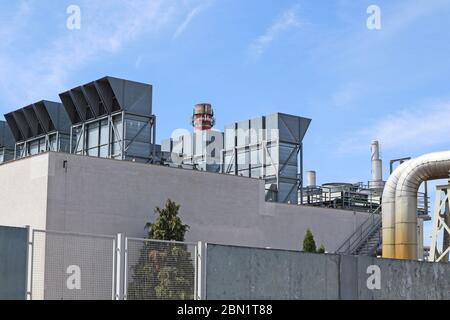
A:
311, 179
352, 196
203, 117
112, 118
200, 150
270, 148
40, 127
6, 143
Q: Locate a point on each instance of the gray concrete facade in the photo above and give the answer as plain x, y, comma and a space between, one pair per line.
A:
252, 273
64, 192
13, 263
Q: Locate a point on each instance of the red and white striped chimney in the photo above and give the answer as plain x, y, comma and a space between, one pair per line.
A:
203, 117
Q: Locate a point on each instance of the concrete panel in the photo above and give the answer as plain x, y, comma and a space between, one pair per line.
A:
252, 273
405, 280
348, 283
23, 192
13, 263
249, 273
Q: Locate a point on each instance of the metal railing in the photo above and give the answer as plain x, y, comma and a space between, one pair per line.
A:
361, 234
341, 197
372, 224
423, 202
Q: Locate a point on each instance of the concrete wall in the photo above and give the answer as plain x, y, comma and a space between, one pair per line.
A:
107, 196
102, 196
23, 196
13, 263
251, 273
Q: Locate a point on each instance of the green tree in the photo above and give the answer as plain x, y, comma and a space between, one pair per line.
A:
321, 249
309, 245
168, 225
164, 270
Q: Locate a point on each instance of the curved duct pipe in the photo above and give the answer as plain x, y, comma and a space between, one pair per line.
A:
388, 212
427, 167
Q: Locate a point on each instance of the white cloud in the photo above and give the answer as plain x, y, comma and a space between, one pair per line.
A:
285, 22
407, 129
107, 27
189, 17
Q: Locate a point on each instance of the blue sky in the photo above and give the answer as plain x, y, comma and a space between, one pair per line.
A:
311, 58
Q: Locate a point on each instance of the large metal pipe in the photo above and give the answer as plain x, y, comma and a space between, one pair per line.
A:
427, 167
388, 212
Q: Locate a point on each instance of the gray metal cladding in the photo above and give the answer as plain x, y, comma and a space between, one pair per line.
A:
292, 128
106, 96
25, 130
32, 121
38, 119
56, 114
267, 147
13, 127
6, 136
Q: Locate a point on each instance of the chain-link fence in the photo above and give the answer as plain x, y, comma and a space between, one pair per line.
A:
160, 270
69, 266
73, 266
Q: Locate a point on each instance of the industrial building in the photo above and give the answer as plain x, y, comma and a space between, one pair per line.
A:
257, 163
91, 165
112, 118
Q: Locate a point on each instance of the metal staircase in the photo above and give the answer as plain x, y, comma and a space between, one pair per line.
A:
372, 245
366, 239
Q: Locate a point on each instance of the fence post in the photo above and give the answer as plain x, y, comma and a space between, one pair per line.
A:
201, 271
29, 266
125, 271
117, 266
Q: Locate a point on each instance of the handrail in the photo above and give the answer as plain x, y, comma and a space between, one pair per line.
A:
366, 229
378, 229
361, 233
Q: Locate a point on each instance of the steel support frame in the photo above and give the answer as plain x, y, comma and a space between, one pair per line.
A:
267, 160
120, 137
25, 152
440, 219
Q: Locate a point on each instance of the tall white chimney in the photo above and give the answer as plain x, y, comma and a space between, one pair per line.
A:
377, 172
377, 183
